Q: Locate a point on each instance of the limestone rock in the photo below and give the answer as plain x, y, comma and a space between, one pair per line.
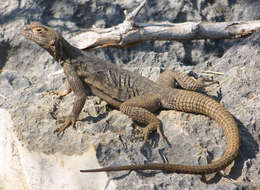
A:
32, 157
22, 169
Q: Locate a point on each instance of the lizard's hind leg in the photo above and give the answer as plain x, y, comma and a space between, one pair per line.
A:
137, 109
169, 79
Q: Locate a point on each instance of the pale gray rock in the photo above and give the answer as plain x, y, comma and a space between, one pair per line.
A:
28, 72
22, 169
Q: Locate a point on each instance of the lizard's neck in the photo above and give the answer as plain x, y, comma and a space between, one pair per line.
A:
63, 52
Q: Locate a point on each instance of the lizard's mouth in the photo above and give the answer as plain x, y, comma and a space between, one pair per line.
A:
26, 32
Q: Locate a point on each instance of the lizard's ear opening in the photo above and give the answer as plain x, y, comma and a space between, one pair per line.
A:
52, 43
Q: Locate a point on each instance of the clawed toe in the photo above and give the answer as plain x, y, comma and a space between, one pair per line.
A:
59, 94
143, 134
60, 130
61, 119
67, 122
205, 82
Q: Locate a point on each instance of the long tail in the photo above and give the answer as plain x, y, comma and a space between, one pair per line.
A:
189, 101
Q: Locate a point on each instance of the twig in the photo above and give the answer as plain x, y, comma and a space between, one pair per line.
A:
3, 96
135, 12
130, 33
252, 99
226, 79
213, 72
56, 73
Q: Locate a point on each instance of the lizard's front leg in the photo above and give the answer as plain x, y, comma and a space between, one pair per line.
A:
71, 119
80, 93
140, 109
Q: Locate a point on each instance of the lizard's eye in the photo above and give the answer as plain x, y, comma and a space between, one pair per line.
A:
38, 30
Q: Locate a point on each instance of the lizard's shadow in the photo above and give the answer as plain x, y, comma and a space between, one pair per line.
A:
150, 174
248, 150
95, 119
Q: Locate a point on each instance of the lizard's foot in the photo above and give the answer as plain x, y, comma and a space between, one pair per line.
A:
60, 94
67, 121
144, 132
205, 82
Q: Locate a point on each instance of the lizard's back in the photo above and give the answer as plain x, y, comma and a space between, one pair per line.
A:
118, 83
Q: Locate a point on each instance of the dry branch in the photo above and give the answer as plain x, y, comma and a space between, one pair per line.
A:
130, 33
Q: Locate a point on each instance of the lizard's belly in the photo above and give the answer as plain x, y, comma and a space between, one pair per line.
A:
115, 96
115, 102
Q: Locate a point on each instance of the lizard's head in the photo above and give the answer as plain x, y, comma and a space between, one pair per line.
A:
42, 35
50, 40
45, 37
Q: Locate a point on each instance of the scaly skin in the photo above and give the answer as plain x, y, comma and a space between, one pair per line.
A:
135, 96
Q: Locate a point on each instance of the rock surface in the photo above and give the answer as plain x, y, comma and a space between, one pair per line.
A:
32, 157
23, 169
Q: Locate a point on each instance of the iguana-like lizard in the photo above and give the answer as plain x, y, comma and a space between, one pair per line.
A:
135, 96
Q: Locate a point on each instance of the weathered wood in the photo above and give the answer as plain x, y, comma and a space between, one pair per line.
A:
130, 33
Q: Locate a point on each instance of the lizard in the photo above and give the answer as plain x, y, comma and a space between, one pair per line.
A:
136, 96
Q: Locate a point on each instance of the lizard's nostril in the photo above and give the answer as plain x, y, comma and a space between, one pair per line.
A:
22, 29
25, 31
